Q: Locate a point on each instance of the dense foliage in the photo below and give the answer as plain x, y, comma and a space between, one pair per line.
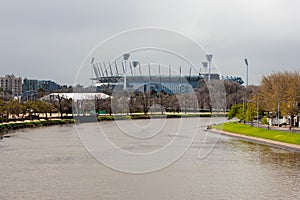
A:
280, 90
14, 109
278, 95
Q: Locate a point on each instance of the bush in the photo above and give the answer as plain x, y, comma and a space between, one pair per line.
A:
264, 120
105, 118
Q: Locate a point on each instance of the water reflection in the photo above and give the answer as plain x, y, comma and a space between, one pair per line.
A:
267, 155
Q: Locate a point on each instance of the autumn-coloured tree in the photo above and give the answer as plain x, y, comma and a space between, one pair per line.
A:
280, 91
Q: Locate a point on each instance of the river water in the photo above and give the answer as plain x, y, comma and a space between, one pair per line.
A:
52, 163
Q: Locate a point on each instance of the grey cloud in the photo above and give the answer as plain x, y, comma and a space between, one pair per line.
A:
49, 39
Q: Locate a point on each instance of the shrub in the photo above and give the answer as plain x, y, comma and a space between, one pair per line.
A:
264, 120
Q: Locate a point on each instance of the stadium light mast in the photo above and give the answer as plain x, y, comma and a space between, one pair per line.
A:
247, 75
125, 59
205, 66
135, 64
246, 62
93, 67
209, 59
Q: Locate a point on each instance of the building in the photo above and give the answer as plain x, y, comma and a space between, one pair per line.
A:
236, 79
31, 87
150, 78
171, 85
49, 86
11, 86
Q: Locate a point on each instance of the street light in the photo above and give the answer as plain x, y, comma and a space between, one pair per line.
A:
209, 59
125, 59
278, 113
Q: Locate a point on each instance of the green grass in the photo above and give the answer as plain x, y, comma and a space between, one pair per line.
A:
243, 129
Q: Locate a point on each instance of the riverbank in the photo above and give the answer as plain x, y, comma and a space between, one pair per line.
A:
275, 138
5, 127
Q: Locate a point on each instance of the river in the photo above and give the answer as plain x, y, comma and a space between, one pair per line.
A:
53, 163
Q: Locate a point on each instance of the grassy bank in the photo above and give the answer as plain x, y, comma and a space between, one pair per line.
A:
31, 124
148, 116
243, 129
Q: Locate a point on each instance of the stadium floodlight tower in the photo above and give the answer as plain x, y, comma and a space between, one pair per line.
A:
247, 64
125, 59
209, 59
135, 64
204, 64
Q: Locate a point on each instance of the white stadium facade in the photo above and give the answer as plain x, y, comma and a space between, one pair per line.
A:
149, 77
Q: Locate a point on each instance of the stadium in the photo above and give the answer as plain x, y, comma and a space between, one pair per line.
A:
132, 75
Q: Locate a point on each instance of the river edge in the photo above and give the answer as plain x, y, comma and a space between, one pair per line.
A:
5, 128
271, 143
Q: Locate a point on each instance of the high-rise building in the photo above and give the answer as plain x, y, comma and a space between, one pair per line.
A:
31, 85
49, 86
11, 86
30, 88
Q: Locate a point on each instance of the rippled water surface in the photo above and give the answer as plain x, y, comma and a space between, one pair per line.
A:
52, 163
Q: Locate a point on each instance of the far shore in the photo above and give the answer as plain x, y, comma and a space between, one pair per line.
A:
19, 124
6, 127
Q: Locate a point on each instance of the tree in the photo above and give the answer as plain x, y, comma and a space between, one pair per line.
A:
234, 111
14, 108
250, 112
30, 107
203, 96
234, 93
120, 100
63, 105
280, 90
3, 111
103, 105
160, 99
44, 107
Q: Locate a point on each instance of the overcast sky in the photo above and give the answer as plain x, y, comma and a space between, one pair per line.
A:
50, 39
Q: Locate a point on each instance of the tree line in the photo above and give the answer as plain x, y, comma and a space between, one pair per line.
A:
278, 95
201, 100
136, 102
13, 109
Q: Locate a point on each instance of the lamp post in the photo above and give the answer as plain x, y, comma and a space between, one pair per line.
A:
278, 111
257, 116
209, 59
125, 59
